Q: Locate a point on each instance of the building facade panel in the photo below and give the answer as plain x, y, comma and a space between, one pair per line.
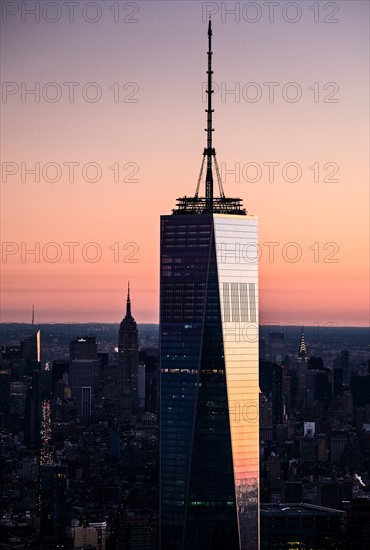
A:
236, 240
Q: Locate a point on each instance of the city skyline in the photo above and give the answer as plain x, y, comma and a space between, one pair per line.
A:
167, 84
190, 368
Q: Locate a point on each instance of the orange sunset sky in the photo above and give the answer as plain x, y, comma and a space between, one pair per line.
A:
148, 69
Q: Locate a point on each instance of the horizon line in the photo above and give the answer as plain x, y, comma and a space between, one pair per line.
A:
329, 324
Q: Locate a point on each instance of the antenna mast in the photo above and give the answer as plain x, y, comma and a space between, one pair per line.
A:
209, 152
209, 203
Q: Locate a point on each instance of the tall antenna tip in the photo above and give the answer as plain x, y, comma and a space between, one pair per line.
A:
210, 27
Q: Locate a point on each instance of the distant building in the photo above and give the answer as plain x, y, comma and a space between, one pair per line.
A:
5, 383
90, 534
18, 393
302, 352
301, 396
344, 359
266, 422
52, 500
141, 385
114, 443
277, 347
307, 448
360, 389
84, 374
59, 368
262, 349
150, 357
83, 397
337, 378
302, 526
10, 357
137, 531
338, 442
31, 373
315, 363
30, 354
273, 467
318, 388
358, 514
293, 491
83, 348
128, 363
322, 449
271, 378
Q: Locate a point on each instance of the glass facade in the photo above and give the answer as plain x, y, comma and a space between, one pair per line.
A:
209, 383
236, 240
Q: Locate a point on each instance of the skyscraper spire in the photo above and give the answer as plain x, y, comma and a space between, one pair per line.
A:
128, 305
33, 316
128, 363
302, 346
208, 203
209, 151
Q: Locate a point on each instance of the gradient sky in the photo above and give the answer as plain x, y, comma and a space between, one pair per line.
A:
164, 55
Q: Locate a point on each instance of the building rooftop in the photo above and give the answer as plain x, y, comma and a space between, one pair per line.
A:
301, 509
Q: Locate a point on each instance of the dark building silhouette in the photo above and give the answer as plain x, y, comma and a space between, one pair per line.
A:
209, 451
52, 501
137, 531
318, 387
84, 374
128, 363
150, 358
277, 347
11, 358
262, 349
344, 359
358, 514
83, 348
5, 381
293, 491
360, 389
31, 368
315, 363
287, 389
302, 526
29, 351
337, 378
59, 368
271, 380
341, 373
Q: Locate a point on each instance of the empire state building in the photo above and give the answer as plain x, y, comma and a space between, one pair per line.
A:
209, 426
128, 363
